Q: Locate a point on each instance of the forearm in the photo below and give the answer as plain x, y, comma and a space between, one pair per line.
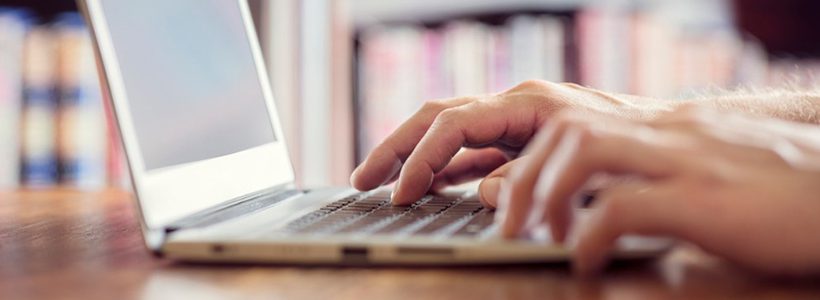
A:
797, 106
790, 105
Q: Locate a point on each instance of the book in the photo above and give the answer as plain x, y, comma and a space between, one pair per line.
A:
13, 27
39, 166
55, 127
402, 66
604, 47
467, 58
622, 49
537, 43
82, 134
391, 79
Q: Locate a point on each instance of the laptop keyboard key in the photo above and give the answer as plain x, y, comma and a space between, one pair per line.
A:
374, 214
482, 220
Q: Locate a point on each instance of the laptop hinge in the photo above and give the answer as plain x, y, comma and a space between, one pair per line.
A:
233, 208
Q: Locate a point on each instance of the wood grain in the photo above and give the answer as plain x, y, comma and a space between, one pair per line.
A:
63, 244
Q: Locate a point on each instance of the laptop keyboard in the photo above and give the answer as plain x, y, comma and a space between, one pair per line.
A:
372, 213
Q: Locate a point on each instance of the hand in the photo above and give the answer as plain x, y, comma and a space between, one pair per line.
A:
420, 152
743, 188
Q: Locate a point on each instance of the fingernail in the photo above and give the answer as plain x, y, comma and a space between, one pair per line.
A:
354, 175
504, 194
394, 196
488, 191
503, 200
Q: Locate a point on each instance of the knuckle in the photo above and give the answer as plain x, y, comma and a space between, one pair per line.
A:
433, 106
494, 101
572, 85
569, 123
531, 84
449, 116
545, 97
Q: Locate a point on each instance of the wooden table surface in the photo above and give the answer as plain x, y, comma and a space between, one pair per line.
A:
75, 245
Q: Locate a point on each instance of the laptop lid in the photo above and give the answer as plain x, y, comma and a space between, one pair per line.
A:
192, 101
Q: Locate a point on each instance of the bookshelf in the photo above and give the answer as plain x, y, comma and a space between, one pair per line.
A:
311, 84
335, 104
664, 49
374, 12
408, 52
677, 48
54, 130
43, 10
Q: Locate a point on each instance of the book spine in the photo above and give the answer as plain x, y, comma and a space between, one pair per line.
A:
498, 61
553, 48
81, 138
39, 112
467, 57
12, 33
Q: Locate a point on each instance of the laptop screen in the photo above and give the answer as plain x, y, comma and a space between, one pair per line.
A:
193, 89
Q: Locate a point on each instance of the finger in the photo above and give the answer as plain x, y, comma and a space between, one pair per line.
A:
648, 208
614, 151
490, 186
385, 161
581, 148
515, 198
468, 165
474, 124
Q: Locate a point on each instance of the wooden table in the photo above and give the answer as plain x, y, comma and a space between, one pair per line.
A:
75, 245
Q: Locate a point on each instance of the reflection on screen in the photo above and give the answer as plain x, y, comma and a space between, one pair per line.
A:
190, 79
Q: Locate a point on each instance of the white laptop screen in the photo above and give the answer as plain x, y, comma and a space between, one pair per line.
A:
193, 89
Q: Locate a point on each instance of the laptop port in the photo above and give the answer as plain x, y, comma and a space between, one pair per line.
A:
426, 251
355, 254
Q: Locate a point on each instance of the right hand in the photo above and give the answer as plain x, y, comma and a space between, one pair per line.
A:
420, 153
743, 188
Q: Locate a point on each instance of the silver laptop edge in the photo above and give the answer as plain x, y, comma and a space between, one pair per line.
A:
113, 87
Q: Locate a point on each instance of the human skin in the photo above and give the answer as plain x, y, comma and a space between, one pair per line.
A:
496, 126
420, 153
424, 152
740, 187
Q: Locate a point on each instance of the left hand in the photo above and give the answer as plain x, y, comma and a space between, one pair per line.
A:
423, 153
742, 188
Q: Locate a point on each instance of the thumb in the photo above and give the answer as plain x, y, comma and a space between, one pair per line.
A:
491, 184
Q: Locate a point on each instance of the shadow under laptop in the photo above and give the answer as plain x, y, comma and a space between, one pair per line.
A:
500, 281
683, 273
615, 266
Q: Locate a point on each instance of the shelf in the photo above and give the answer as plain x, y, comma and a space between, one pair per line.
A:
367, 12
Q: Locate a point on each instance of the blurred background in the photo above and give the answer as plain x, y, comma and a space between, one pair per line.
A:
345, 73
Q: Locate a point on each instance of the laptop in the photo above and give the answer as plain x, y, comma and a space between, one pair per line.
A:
211, 172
